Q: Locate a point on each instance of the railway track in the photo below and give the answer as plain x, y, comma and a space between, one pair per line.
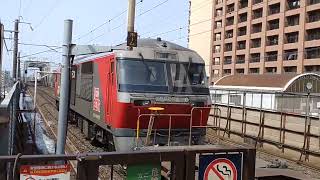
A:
79, 145
75, 142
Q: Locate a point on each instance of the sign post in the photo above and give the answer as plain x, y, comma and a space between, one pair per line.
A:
220, 166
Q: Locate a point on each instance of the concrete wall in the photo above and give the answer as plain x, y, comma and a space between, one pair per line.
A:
200, 29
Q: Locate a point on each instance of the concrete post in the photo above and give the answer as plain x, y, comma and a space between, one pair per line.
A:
131, 15
64, 89
35, 89
1, 51
15, 49
19, 70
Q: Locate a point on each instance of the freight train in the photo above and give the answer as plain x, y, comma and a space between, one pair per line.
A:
114, 95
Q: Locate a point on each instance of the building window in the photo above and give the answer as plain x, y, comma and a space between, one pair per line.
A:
216, 72
218, 24
256, 28
241, 45
226, 72
240, 59
228, 47
274, 24
311, 2
243, 4
313, 34
255, 43
272, 40
217, 36
227, 60
254, 70
255, 57
219, 1
219, 12
216, 61
240, 71
243, 17
274, 9
230, 8
292, 37
242, 31
271, 70
291, 54
315, 68
217, 48
290, 69
293, 20
229, 34
293, 4
257, 1
314, 16
271, 56
257, 13
312, 53
230, 21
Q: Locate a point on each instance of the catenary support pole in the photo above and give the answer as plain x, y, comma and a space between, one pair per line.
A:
15, 49
19, 70
64, 92
35, 89
131, 15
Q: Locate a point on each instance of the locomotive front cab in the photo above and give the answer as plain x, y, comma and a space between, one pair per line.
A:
175, 81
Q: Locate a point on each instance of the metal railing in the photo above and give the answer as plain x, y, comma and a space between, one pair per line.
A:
183, 161
10, 125
170, 118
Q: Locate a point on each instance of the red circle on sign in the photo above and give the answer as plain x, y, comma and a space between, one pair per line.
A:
212, 165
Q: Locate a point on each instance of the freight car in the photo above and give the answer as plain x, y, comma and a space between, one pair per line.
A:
112, 92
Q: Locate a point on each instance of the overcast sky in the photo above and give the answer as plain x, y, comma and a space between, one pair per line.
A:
46, 16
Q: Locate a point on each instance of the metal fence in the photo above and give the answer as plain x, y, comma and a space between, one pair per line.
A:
8, 117
9, 125
294, 103
182, 161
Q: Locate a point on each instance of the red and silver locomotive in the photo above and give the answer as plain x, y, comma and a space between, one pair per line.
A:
112, 92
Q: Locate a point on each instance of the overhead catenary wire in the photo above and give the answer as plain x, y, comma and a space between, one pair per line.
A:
139, 15
41, 45
41, 52
104, 23
47, 14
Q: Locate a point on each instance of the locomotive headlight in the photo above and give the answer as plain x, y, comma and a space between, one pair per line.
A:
141, 102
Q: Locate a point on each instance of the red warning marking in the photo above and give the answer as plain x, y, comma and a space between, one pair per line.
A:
222, 169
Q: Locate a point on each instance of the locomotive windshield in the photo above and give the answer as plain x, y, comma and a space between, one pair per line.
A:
137, 76
153, 76
188, 78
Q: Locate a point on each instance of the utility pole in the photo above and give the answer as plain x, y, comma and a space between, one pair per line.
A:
15, 49
64, 89
19, 70
132, 36
131, 15
1, 51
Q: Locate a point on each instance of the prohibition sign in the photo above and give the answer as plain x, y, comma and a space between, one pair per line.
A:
221, 169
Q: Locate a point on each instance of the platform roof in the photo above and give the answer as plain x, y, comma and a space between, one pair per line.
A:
295, 83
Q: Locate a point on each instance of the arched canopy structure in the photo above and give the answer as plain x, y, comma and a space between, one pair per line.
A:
290, 83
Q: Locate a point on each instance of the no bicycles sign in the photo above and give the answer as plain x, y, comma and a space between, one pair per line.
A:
220, 167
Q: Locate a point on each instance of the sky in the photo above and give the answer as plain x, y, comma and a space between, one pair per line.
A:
153, 18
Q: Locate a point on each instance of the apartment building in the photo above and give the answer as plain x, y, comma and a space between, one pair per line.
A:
264, 36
